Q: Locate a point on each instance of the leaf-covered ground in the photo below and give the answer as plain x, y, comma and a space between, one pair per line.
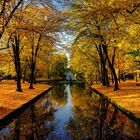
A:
128, 96
10, 99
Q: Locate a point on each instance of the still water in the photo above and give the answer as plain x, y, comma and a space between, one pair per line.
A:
71, 112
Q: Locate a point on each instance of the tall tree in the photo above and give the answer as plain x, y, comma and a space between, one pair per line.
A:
34, 53
16, 51
103, 21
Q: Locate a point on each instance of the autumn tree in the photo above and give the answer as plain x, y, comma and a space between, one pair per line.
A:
15, 44
43, 26
14, 41
10, 20
58, 65
105, 24
28, 26
84, 61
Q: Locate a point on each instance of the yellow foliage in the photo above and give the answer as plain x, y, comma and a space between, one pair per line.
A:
134, 30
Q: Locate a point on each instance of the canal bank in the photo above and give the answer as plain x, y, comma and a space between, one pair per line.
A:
12, 103
127, 99
70, 112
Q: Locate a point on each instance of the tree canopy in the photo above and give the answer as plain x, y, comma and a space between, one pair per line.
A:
106, 39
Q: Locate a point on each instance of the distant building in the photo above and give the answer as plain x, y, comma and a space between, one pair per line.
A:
69, 76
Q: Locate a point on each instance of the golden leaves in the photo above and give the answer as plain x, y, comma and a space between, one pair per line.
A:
134, 30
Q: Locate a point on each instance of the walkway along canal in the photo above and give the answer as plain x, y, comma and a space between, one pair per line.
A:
71, 112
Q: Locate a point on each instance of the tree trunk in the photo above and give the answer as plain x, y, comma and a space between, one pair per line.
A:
112, 78
32, 75
104, 73
116, 86
15, 47
33, 62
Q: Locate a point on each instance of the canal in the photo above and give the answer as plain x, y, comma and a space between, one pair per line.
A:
71, 112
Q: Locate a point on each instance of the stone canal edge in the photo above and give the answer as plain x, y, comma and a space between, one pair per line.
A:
128, 113
13, 114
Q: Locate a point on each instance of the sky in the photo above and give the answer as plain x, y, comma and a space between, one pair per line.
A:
62, 4
65, 38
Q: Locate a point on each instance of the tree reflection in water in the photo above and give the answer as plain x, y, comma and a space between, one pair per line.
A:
62, 117
96, 119
30, 125
70, 112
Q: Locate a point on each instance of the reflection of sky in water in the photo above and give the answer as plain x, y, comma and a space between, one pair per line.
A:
62, 117
40, 121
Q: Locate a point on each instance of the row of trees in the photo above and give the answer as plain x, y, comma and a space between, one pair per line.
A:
107, 35
106, 43
28, 34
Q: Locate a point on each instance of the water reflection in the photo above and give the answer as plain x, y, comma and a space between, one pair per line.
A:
71, 112
96, 119
62, 117
30, 125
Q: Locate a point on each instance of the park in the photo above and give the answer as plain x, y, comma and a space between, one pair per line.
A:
69, 70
